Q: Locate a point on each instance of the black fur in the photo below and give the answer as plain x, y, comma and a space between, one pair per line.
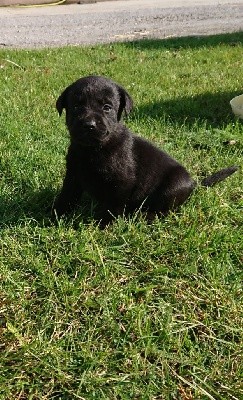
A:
219, 176
122, 171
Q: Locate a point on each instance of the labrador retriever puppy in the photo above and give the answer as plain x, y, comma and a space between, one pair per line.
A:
122, 171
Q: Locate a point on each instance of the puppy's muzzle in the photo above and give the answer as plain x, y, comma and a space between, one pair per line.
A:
93, 126
90, 125
88, 131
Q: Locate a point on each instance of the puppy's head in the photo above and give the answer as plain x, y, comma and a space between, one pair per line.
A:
94, 106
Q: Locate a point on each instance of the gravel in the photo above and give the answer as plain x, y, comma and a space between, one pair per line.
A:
115, 21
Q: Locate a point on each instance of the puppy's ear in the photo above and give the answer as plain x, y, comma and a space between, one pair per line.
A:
62, 101
126, 102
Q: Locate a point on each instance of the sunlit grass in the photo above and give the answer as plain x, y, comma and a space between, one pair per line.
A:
136, 311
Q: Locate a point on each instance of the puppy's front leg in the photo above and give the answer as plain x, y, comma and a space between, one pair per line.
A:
69, 197
110, 213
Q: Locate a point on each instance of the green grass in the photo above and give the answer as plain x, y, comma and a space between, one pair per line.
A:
136, 311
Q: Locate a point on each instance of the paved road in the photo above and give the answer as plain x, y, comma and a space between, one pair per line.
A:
117, 21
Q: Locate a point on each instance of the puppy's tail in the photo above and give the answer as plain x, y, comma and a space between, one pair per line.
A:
219, 176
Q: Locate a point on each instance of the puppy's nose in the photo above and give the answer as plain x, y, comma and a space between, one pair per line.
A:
90, 124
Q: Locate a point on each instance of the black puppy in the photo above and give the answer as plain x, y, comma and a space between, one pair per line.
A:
123, 172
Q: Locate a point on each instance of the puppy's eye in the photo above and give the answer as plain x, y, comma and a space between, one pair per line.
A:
107, 108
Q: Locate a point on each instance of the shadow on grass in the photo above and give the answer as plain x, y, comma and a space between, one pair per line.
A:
213, 108
37, 206
188, 42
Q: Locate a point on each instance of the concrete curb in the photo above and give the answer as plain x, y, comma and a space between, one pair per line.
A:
6, 3
9, 3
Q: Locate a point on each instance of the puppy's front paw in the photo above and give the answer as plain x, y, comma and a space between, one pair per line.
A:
59, 208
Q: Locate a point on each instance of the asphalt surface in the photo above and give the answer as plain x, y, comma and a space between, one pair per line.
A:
78, 24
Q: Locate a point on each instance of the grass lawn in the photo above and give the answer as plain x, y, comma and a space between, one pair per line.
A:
136, 311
